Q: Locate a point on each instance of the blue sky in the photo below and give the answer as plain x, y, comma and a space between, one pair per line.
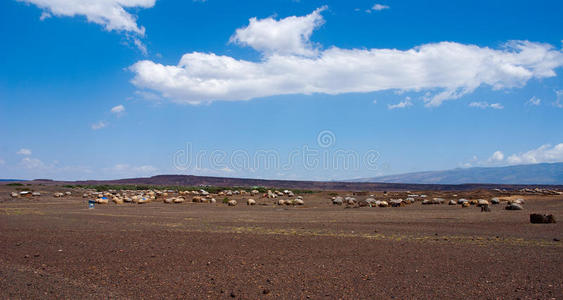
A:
318, 90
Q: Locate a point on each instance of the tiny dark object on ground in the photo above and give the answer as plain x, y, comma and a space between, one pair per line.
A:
541, 219
485, 208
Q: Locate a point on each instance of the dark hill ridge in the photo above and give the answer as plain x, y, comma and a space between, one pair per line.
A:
544, 173
191, 180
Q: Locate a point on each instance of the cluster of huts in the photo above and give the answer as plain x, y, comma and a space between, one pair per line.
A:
201, 196
25, 194
513, 204
531, 191
30, 194
285, 197
61, 194
540, 191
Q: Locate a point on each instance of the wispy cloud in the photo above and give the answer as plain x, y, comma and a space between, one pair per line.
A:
403, 104
484, 105
227, 170
32, 163
378, 7
148, 95
140, 45
123, 170
118, 110
558, 102
535, 101
99, 125
202, 171
24, 151
37, 168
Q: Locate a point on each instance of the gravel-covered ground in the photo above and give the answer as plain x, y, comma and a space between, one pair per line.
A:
57, 248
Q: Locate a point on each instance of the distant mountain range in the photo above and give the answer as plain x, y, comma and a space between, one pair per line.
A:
513, 177
352, 185
544, 173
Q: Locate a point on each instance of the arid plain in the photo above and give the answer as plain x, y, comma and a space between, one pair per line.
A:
58, 248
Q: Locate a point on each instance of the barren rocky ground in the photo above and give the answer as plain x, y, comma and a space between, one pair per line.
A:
58, 248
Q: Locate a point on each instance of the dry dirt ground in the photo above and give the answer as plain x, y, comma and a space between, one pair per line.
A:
58, 248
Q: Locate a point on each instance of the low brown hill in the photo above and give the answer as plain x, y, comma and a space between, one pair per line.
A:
192, 180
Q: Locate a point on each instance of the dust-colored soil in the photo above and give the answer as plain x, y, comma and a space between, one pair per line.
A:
58, 248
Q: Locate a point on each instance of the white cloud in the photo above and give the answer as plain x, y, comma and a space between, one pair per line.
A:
378, 7
24, 151
119, 109
497, 156
534, 101
403, 104
545, 153
109, 13
447, 70
375, 101
2, 161
286, 36
99, 125
484, 105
